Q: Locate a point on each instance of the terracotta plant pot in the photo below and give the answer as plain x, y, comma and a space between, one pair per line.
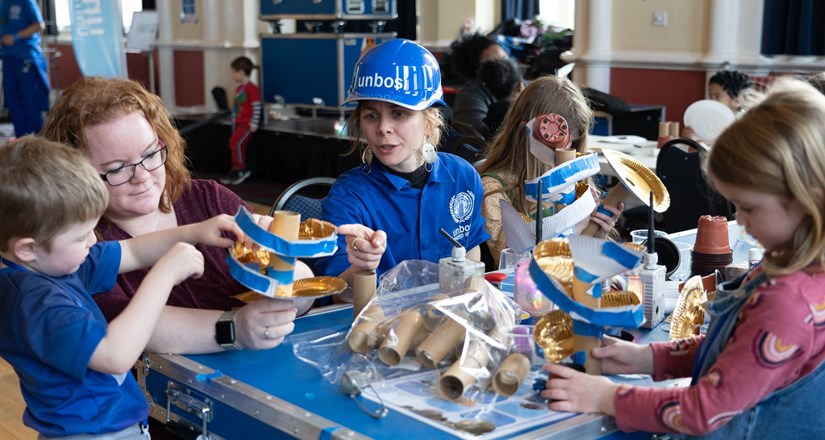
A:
712, 235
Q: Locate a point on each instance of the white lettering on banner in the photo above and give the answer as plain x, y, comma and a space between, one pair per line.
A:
89, 18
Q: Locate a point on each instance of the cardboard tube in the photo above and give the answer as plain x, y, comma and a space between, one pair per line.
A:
363, 290
398, 338
286, 225
432, 316
510, 374
586, 343
465, 372
364, 336
673, 129
420, 336
581, 296
439, 343
616, 194
565, 155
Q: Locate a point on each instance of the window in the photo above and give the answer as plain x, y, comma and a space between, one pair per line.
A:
558, 12
64, 21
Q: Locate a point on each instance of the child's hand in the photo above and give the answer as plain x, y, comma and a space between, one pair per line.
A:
183, 261
364, 246
605, 223
253, 128
622, 357
573, 391
210, 232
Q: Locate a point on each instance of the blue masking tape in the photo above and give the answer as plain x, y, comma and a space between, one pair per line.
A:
579, 357
585, 329
565, 174
583, 275
327, 433
627, 317
621, 254
604, 211
249, 276
276, 244
208, 378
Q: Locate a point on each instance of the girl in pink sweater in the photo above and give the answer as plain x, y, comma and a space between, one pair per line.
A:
758, 371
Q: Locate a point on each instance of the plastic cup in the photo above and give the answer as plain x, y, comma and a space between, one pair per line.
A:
640, 235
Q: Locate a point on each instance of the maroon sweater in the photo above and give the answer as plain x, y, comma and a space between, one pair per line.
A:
214, 290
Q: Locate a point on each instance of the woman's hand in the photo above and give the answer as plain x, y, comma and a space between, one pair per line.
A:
622, 357
264, 323
364, 246
570, 390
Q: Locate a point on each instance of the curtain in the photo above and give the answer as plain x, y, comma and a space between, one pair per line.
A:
521, 9
793, 27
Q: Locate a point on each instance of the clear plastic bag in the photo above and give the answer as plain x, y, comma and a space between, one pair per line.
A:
410, 327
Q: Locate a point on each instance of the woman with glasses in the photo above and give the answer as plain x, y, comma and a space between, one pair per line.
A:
130, 139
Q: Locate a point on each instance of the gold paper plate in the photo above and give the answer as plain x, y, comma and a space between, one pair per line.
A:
246, 255
554, 247
554, 334
560, 268
688, 315
619, 299
315, 287
638, 179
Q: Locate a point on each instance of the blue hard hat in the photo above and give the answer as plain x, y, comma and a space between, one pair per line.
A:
397, 71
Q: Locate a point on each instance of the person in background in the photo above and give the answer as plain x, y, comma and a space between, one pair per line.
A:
131, 140
25, 71
391, 208
73, 367
728, 87
474, 100
502, 77
246, 111
509, 162
760, 365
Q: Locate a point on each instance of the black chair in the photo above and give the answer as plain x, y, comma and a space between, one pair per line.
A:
308, 202
470, 148
690, 194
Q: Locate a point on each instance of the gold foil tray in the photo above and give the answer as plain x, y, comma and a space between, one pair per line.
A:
619, 299
554, 247
688, 315
314, 229
638, 179
246, 255
554, 334
560, 268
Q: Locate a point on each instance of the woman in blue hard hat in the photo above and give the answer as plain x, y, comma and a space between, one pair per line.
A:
391, 208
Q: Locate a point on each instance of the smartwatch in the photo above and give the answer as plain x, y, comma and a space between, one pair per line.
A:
225, 332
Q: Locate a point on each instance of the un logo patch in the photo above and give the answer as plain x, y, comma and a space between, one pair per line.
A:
461, 206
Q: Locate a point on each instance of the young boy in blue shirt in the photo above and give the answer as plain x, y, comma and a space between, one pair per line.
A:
73, 368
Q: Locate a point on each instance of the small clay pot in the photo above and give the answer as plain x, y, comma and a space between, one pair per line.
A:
712, 235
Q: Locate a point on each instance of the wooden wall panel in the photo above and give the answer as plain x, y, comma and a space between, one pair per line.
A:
189, 81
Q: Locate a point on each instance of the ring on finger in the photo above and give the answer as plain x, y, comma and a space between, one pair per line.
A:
354, 247
266, 333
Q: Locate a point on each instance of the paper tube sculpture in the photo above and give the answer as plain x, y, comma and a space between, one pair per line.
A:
635, 179
270, 270
569, 272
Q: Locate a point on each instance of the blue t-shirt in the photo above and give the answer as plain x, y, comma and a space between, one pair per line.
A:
451, 199
49, 328
16, 15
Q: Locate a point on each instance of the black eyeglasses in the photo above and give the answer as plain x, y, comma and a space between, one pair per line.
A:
125, 173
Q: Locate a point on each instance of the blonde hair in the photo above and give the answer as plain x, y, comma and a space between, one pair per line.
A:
509, 150
432, 116
94, 100
778, 147
45, 188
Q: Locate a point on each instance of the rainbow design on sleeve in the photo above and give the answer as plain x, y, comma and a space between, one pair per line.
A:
771, 351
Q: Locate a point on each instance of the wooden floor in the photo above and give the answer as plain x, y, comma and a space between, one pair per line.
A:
11, 401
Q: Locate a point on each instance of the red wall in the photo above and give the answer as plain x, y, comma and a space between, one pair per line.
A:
189, 82
64, 71
674, 89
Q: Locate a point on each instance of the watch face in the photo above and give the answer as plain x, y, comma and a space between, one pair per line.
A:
225, 332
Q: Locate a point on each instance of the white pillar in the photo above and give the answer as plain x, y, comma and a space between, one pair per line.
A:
595, 53
166, 59
722, 34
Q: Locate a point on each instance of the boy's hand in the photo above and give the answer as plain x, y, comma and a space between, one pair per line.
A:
210, 232
183, 261
622, 357
573, 391
364, 246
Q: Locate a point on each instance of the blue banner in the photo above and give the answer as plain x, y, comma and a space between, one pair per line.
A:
97, 38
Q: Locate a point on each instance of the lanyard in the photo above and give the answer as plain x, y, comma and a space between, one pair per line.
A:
13, 265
